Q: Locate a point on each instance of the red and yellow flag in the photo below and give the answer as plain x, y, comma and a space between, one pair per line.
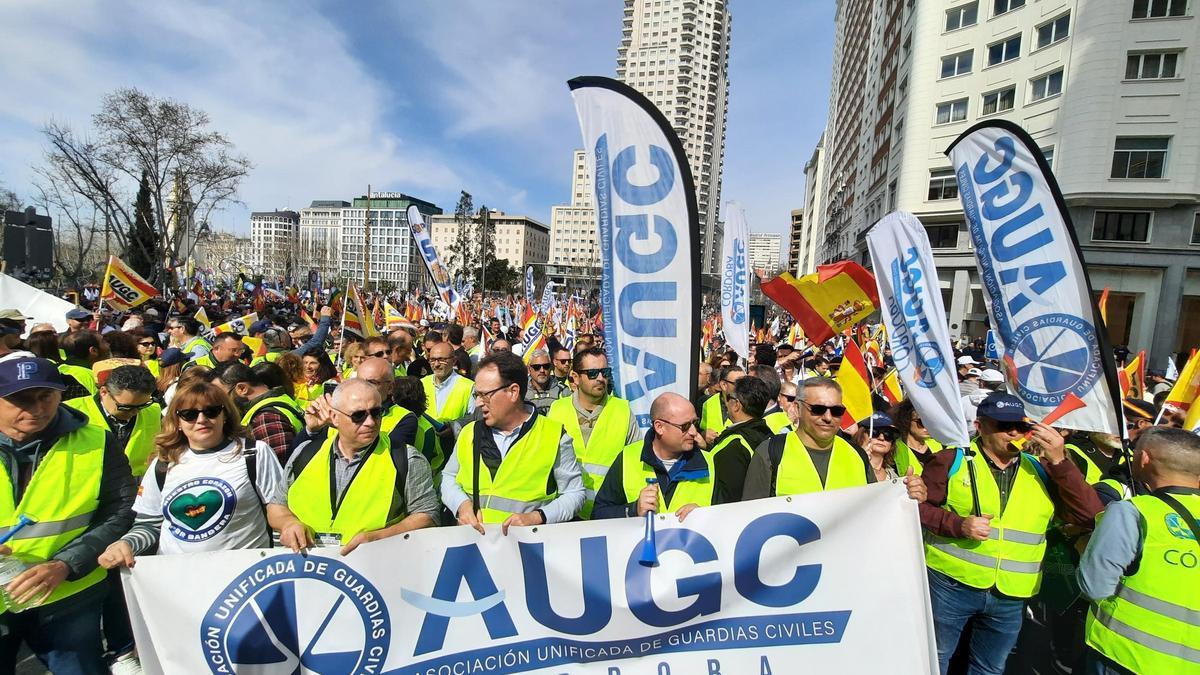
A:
123, 289
827, 302
1102, 304
856, 385
308, 320
258, 347
1133, 377
891, 388
355, 317
1187, 387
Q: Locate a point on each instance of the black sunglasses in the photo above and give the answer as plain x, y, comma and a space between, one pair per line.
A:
683, 428
539, 366
790, 399
1012, 426
888, 435
360, 416
131, 407
562, 360
148, 343
212, 412
379, 354
820, 410
594, 373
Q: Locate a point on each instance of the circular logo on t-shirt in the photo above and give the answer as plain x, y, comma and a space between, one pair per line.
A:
199, 508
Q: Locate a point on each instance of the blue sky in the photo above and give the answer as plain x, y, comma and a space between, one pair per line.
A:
425, 97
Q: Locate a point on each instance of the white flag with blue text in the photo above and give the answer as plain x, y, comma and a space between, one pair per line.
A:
735, 281
649, 238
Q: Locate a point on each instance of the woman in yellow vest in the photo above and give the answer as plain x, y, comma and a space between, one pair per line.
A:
914, 446
147, 346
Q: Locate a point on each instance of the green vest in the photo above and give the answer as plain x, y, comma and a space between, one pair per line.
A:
364, 505
62, 496
796, 474
635, 473
84, 376
1152, 623
140, 446
1011, 559
711, 418
524, 481
283, 404
456, 403
778, 422
269, 357
205, 360
603, 445
906, 457
1091, 473
392, 417
195, 342
400, 370
153, 366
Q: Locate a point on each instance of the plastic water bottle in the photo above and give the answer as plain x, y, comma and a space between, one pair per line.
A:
10, 568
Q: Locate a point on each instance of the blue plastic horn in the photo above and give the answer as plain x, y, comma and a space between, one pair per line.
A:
649, 551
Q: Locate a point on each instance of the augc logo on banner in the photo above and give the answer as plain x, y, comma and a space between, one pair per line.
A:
907, 312
733, 282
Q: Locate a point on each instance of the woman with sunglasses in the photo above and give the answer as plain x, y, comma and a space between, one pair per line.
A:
877, 436
914, 446
208, 488
147, 347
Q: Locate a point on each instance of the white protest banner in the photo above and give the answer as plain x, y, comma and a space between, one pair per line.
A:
649, 239
735, 281
529, 284
834, 581
1036, 290
911, 304
437, 272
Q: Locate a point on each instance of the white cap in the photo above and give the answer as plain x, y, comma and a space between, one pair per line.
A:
968, 361
974, 372
991, 375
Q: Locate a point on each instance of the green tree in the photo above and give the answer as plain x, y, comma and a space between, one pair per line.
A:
143, 236
463, 255
502, 277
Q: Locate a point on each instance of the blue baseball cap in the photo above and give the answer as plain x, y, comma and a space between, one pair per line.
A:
79, 314
28, 373
1002, 407
879, 420
171, 356
260, 326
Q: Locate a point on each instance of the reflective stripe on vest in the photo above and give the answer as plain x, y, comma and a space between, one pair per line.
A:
62, 496
1152, 623
283, 404
796, 474
140, 445
603, 445
635, 472
366, 502
84, 376
456, 402
1011, 558
711, 418
521, 481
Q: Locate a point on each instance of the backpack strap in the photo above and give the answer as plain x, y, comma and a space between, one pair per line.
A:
1170, 501
399, 497
775, 448
160, 474
251, 458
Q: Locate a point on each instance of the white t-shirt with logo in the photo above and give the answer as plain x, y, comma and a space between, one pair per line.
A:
207, 502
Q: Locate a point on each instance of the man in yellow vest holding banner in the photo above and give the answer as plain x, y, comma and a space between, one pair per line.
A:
1141, 569
666, 472
600, 424
351, 486
447, 393
985, 522
72, 480
513, 466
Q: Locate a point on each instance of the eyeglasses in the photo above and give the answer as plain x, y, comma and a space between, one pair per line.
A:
539, 366
486, 395
595, 373
440, 359
379, 354
360, 416
129, 407
790, 399
919, 422
212, 412
820, 410
146, 344
683, 428
562, 360
730, 382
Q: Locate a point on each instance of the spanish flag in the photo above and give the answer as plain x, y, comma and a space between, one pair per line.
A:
855, 380
123, 289
1187, 387
891, 388
1102, 304
827, 302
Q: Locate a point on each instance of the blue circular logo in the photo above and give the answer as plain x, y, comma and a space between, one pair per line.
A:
1054, 354
297, 614
199, 508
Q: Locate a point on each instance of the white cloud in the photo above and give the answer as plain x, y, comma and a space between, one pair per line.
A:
281, 83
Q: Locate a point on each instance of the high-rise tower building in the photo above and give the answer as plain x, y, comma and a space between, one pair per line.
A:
320, 246
273, 235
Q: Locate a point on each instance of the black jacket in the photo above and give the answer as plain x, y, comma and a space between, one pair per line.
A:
731, 462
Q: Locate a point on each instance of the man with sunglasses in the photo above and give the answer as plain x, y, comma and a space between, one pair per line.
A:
986, 519
664, 472
561, 358
184, 333
352, 486
447, 392
74, 478
124, 406
544, 389
734, 447
600, 424
713, 415
512, 466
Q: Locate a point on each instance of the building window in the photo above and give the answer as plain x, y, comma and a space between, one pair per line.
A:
1140, 157
1151, 65
1006, 50
1156, 9
943, 236
962, 16
999, 101
1046, 86
942, 185
1196, 229
957, 64
1004, 6
952, 111
1053, 31
1048, 154
1124, 226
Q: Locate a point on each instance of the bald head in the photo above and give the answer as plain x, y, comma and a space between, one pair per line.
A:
355, 391
671, 406
375, 369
